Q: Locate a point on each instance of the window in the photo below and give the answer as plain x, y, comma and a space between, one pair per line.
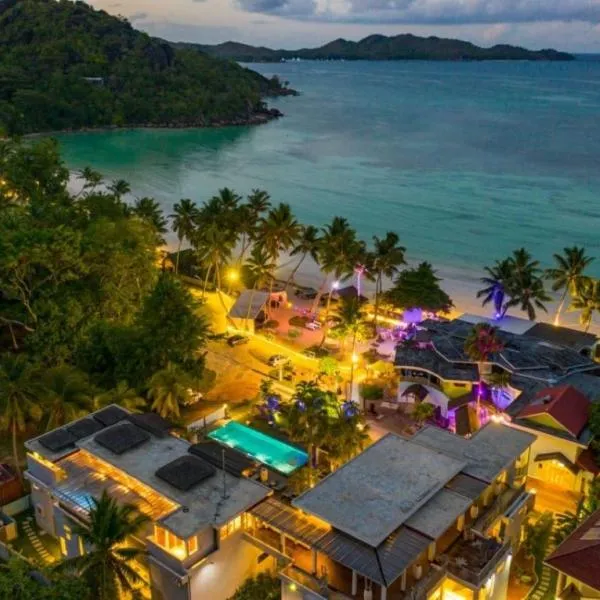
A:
192, 545
63, 545
231, 527
67, 532
170, 542
80, 546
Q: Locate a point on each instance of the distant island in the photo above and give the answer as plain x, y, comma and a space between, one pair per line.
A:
66, 66
380, 47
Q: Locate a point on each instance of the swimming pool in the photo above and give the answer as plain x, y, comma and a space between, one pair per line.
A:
271, 452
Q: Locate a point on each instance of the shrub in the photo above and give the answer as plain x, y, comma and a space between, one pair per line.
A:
294, 333
271, 324
262, 587
372, 391
298, 321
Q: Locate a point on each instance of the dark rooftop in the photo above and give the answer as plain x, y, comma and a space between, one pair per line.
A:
563, 336
84, 427
110, 415
151, 422
185, 472
121, 438
212, 452
523, 355
57, 440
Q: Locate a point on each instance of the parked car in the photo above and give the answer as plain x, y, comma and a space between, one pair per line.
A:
277, 360
237, 340
313, 325
307, 294
309, 353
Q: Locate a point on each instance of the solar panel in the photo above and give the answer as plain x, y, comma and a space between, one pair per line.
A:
110, 415
185, 472
212, 452
57, 440
122, 437
85, 427
152, 423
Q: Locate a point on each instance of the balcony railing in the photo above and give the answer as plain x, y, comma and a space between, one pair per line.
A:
498, 508
473, 561
310, 583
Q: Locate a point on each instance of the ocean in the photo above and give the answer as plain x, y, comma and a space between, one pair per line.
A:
466, 161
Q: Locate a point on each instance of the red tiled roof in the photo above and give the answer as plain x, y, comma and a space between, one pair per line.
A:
579, 555
587, 462
565, 404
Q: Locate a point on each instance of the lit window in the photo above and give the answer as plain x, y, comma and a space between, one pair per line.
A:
231, 527
81, 548
67, 532
63, 545
192, 545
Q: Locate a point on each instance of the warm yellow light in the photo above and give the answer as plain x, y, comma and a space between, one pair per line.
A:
233, 275
533, 491
293, 587
355, 358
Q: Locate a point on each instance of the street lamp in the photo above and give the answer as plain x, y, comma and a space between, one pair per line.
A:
233, 276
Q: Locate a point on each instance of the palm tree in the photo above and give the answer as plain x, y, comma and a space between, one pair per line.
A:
278, 232
66, 395
260, 267
567, 274
347, 434
567, 523
19, 394
495, 290
148, 210
91, 179
168, 389
122, 395
306, 418
586, 300
106, 564
352, 323
249, 215
423, 411
119, 188
214, 246
227, 199
481, 343
340, 252
385, 259
309, 244
184, 217
526, 286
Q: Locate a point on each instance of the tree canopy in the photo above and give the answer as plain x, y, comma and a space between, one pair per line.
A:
65, 65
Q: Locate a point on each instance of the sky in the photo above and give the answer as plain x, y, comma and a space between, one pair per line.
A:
571, 25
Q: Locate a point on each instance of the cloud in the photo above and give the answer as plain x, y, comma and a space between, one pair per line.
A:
282, 8
138, 16
436, 12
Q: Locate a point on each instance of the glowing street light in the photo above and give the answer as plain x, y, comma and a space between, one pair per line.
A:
233, 275
335, 285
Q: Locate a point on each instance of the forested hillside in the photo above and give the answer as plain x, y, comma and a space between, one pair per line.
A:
64, 65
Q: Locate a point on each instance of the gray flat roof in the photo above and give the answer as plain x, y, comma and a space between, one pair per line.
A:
200, 507
437, 515
249, 304
486, 454
371, 496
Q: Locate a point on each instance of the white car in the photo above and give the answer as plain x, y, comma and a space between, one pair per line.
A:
313, 325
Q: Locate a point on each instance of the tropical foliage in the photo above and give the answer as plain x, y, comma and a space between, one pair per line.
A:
419, 288
567, 522
586, 300
19, 582
262, 587
106, 566
65, 65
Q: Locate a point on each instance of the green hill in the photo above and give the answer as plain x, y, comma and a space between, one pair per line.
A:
64, 65
380, 47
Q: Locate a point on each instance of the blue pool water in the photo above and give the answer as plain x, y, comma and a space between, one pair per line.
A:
271, 452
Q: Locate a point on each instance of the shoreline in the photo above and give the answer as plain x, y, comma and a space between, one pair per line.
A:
262, 118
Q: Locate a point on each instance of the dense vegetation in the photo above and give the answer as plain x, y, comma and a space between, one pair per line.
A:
64, 65
380, 47
86, 315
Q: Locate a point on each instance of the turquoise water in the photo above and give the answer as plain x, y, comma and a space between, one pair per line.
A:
267, 450
466, 161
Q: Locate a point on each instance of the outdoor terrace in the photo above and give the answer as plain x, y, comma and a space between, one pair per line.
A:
473, 561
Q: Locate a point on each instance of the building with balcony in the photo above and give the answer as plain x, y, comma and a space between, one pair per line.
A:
577, 562
436, 515
449, 378
196, 496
